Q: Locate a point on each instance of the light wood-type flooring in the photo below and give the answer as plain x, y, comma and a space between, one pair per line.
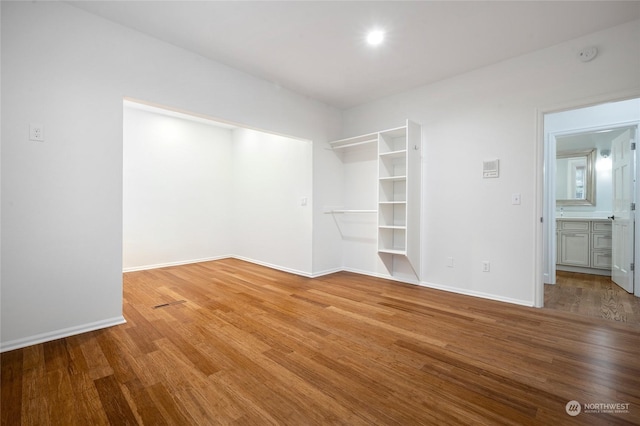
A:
229, 342
592, 296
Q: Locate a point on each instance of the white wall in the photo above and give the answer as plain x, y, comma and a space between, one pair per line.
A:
62, 199
176, 190
486, 114
359, 230
271, 181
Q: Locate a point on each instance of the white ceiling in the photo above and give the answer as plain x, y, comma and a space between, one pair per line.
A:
317, 48
588, 140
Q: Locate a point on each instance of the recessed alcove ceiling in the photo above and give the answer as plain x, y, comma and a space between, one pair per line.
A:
319, 49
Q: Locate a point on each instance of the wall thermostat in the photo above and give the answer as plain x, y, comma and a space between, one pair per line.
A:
491, 168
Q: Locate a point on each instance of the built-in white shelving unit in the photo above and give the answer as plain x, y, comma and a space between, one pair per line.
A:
399, 193
399, 180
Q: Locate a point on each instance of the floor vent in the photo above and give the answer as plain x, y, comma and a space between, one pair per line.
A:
164, 305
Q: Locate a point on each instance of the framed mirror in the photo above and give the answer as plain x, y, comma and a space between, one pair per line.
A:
576, 178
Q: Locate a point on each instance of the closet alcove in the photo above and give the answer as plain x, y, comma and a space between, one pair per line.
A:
195, 189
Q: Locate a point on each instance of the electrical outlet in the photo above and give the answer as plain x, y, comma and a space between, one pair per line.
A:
36, 132
486, 266
450, 262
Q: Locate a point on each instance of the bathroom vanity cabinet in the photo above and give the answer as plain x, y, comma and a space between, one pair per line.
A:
584, 245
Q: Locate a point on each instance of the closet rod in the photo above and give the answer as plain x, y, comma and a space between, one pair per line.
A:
353, 144
352, 211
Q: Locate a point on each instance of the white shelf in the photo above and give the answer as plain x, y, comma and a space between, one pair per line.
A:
392, 214
392, 140
392, 165
394, 154
354, 141
393, 251
393, 178
392, 237
392, 190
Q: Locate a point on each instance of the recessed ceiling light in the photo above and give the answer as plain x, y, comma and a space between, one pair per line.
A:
375, 37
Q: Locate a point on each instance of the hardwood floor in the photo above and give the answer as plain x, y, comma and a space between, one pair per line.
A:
229, 342
592, 296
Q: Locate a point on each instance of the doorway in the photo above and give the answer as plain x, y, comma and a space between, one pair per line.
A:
583, 190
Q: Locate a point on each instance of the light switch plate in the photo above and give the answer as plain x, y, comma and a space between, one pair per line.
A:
515, 199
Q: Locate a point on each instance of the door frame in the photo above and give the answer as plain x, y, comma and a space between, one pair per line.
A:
544, 209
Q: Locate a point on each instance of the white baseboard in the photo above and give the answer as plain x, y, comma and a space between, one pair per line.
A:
443, 288
383, 276
370, 274
208, 259
476, 294
232, 256
59, 334
272, 266
325, 272
178, 263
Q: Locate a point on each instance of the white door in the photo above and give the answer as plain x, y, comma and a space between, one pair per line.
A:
623, 217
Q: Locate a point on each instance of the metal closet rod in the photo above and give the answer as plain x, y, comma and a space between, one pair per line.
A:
353, 211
